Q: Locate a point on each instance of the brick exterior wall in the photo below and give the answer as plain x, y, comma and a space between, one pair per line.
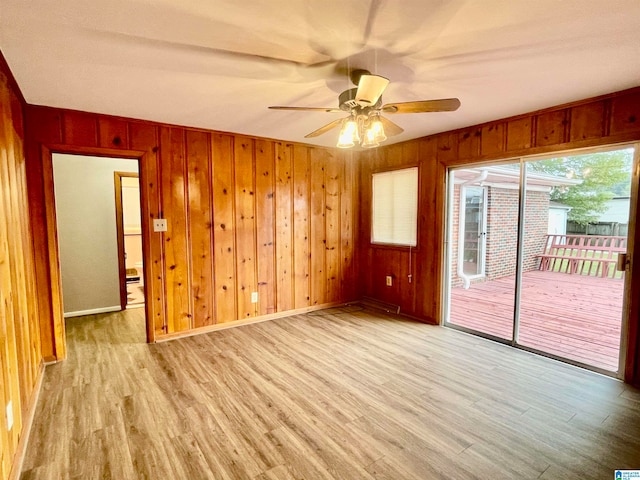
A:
502, 231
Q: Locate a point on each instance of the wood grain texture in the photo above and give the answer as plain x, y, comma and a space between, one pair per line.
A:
334, 394
245, 231
334, 176
301, 226
113, 133
80, 128
318, 230
469, 143
265, 235
348, 232
284, 227
492, 139
551, 128
200, 226
224, 244
587, 121
20, 343
173, 184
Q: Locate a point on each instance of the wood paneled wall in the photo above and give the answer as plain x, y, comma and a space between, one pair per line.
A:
244, 215
605, 120
20, 353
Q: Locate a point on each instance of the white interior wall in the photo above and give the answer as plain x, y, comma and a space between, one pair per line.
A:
87, 238
131, 222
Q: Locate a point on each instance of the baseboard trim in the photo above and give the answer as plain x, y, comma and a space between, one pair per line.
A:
27, 423
94, 311
247, 321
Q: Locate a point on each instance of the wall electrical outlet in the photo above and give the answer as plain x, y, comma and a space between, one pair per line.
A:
9, 416
160, 225
254, 297
389, 281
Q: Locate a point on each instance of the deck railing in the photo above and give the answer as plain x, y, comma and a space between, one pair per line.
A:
594, 255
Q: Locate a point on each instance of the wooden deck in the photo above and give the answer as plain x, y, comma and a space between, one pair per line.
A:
574, 316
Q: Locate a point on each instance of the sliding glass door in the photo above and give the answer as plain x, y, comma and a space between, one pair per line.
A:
536, 254
483, 224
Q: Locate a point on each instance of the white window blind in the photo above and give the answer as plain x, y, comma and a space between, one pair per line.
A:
395, 207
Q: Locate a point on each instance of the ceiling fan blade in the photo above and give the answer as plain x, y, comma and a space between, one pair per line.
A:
325, 128
441, 105
370, 87
307, 109
390, 128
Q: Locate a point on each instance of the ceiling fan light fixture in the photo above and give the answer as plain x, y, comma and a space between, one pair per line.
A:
378, 129
369, 140
349, 135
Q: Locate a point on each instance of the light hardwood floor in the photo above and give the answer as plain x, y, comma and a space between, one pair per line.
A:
337, 394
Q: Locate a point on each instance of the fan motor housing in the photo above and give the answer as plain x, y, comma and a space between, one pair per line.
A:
347, 102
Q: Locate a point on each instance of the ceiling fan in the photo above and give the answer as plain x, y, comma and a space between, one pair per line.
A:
365, 125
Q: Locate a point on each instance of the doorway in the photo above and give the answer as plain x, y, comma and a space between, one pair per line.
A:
86, 226
129, 237
473, 219
541, 265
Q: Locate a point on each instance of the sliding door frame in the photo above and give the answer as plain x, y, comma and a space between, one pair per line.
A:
630, 298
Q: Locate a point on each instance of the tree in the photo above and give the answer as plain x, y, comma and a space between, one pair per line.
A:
603, 175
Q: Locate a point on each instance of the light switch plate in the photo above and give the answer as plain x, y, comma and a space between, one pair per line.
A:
254, 297
389, 281
160, 225
9, 416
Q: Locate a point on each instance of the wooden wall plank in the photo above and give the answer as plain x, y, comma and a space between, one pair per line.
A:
174, 210
493, 139
9, 366
48, 127
26, 247
368, 162
469, 143
80, 128
318, 230
284, 227
265, 225
348, 267
224, 228
301, 238
334, 175
448, 146
518, 134
245, 227
12, 196
625, 113
424, 278
200, 226
551, 128
113, 133
587, 121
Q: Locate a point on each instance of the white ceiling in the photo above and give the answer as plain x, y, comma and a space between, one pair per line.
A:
218, 64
